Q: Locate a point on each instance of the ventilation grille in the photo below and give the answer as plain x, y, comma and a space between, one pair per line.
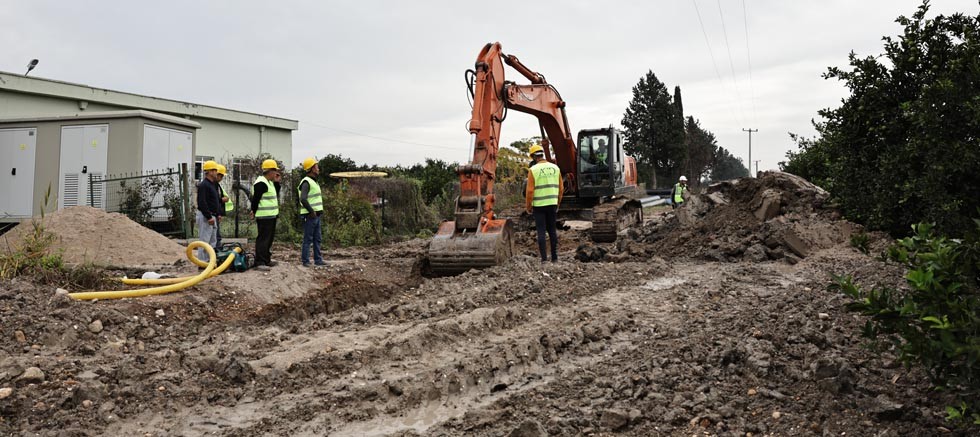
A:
69, 195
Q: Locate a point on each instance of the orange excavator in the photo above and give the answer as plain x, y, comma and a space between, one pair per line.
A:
599, 179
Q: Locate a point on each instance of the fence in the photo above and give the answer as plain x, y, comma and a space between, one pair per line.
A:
159, 200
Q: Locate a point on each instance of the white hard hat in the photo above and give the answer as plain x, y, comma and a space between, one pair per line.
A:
684, 178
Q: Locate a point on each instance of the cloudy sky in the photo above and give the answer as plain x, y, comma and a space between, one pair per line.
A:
382, 81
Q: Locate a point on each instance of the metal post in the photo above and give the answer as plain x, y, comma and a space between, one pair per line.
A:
750, 130
382, 212
91, 190
185, 198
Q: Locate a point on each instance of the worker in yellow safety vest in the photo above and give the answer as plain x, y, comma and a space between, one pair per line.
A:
678, 193
544, 192
265, 209
310, 210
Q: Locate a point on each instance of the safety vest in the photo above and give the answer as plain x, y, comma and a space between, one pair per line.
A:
269, 203
546, 189
679, 193
313, 197
229, 205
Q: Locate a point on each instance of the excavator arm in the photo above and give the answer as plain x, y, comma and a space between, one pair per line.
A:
477, 238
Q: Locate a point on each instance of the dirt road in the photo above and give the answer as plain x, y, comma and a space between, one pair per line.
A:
368, 347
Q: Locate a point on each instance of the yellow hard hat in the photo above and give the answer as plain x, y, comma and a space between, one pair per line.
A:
308, 163
210, 165
270, 164
535, 149
222, 170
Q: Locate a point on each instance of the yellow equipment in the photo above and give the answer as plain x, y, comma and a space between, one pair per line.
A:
166, 285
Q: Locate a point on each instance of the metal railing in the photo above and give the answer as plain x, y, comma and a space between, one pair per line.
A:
158, 199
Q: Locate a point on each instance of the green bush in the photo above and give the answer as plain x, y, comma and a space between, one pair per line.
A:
349, 219
935, 324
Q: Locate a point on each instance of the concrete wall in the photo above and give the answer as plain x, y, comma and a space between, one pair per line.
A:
125, 151
225, 140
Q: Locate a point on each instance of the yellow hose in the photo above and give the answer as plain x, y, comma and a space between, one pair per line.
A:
186, 282
194, 259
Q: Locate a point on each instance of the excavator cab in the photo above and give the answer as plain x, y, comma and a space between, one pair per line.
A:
601, 163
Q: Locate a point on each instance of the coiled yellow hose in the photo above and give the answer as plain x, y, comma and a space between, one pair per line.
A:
172, 284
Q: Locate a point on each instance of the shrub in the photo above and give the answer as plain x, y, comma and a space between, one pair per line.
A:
935, 324
349, 218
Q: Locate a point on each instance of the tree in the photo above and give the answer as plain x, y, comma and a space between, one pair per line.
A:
905, 145
727, 166
513, 160
701, 148
332, 164
654, 131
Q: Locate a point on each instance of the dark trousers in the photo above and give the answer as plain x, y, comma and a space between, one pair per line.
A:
311, 236
263, 242
546, 218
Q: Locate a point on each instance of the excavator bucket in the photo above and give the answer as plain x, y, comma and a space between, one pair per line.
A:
453, 252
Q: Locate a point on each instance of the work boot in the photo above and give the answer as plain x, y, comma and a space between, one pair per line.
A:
263, 268
273, 263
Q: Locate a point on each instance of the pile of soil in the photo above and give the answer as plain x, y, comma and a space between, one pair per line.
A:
85, 234
778, 216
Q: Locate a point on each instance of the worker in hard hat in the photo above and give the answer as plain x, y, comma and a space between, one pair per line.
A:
226, 206
265, 209
310, 210
679, 192
208, 204
543, 194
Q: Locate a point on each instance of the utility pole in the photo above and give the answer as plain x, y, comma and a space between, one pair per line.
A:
750, 130
757, 166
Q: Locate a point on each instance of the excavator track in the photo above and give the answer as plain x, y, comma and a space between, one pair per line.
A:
452, 252
610, 218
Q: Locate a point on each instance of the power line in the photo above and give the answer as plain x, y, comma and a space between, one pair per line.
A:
711, 53
731, 63
748, 57
391, 140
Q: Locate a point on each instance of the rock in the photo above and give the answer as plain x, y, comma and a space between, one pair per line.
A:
32, 375
770, 201
796, 244
776, 415
635, 415
883, 408
20, 337
87, 403
614, 420
6, 392
717, 198
95, 327
160, 312
756, 253
60, 291
676, 416
751, 392
792, 259
529, 428
823, 316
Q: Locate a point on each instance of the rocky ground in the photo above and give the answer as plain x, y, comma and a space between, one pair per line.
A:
646, 342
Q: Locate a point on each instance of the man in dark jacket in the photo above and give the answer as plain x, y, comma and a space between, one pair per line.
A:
208, 203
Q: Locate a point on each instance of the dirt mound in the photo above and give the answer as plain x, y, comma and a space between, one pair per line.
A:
86, 234
778, 216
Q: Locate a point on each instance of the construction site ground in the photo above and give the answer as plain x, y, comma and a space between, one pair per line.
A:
703, 322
